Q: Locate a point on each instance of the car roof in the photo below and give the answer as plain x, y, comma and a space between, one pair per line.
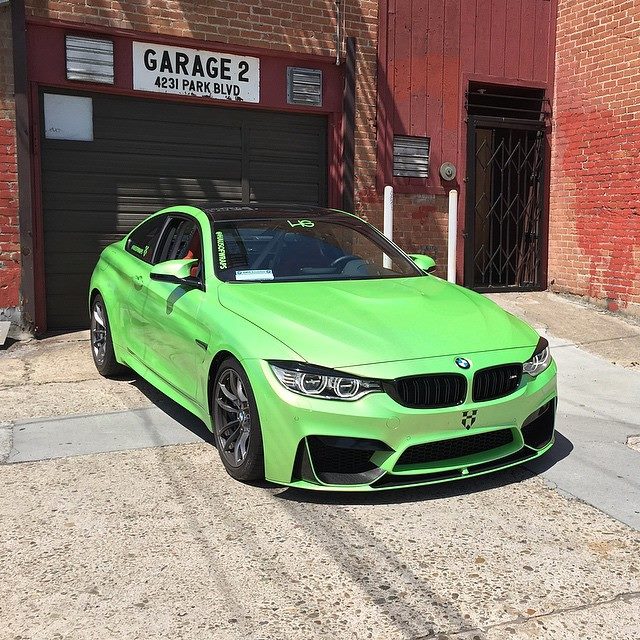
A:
234, 211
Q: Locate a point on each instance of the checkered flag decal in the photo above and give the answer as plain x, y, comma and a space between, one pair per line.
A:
469, 418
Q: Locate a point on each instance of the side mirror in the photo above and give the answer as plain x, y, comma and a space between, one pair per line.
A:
176, 272
426, 263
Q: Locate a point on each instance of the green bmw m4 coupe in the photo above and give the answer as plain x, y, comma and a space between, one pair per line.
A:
319, 354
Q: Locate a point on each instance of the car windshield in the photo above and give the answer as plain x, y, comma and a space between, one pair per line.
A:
330, 247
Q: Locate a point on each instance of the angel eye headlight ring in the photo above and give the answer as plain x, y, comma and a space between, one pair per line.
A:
540, 360
318, 382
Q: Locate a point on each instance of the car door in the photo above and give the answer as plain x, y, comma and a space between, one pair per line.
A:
141, 247
176, 339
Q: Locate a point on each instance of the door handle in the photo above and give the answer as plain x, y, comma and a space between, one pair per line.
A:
137, 282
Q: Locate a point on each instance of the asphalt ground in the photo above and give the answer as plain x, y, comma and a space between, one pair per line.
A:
150, 538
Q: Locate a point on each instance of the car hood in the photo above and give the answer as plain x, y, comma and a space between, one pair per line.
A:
348, 323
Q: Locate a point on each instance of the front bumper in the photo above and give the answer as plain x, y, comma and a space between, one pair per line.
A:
375, 443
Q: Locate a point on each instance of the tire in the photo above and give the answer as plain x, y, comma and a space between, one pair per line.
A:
102, 351
236, 425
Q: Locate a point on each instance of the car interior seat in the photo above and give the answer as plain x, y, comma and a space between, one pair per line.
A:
194, 252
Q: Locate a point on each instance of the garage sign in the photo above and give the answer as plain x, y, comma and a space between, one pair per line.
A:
206, 74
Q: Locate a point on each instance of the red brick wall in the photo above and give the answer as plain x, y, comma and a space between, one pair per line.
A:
419, 222
595, 181
305, 26
290, 25
9, 234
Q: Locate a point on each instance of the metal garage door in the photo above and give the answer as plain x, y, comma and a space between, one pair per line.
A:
148, 154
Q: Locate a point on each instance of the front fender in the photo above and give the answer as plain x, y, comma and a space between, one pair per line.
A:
244, 340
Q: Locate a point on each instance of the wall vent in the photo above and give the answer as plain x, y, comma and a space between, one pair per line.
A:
304, 86
411, 157
89, 59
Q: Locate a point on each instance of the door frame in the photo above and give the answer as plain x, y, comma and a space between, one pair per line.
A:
473, 123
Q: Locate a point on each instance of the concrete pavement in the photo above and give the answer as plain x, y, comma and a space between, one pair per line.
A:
99, 433
599, 407
598, 356
161, 543
56, 377
594, 330
598, 411
123, 535
599, 401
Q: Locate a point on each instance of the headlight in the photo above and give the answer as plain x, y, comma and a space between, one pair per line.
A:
317, 382
540, 359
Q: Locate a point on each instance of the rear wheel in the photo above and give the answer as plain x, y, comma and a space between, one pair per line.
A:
102, 351
236, 425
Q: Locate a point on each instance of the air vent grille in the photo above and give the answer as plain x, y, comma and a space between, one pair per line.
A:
411, 157
304, 86
89, 59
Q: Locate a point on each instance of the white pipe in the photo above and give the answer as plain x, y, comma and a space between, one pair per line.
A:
453, 235
388, 220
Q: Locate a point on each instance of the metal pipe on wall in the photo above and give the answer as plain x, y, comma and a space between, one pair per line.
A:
349, 128
388, 220
452, 240
339, 29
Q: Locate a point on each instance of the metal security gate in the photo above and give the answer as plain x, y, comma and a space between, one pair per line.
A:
505, 204
144, 155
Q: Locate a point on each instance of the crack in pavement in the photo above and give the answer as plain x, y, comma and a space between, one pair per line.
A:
31, 383
626, 597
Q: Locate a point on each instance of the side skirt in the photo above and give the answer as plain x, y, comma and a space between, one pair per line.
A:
168, 389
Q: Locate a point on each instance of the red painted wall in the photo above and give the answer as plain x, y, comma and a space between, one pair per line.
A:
594, 247
433, 48
429, 51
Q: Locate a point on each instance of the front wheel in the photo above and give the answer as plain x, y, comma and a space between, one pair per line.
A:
236, 425
102, 351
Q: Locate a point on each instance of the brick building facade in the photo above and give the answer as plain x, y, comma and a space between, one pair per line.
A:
9, 231
307, 28
473, 79
594, 240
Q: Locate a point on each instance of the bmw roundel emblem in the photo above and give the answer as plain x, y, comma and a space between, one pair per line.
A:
463, 363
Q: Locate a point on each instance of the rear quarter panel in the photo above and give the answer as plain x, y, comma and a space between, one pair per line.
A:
111, 278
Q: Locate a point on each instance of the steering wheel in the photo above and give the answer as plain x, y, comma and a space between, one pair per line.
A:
342, 261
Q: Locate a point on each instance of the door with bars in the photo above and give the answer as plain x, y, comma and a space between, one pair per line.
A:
505, 204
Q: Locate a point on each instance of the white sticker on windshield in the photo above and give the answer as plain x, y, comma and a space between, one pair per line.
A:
255, 274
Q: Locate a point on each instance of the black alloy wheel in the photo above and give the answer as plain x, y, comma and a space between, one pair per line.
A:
102, 351
236, 424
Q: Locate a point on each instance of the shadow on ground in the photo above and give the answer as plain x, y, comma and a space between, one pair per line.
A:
175, 411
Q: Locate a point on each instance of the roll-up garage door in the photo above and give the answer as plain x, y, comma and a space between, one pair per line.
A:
124, 158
